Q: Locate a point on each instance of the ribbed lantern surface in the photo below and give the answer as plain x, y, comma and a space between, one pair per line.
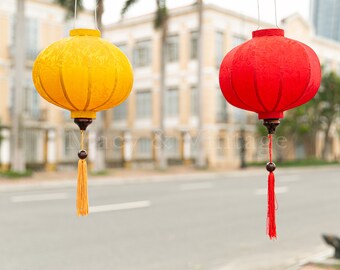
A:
270, 74
83, 74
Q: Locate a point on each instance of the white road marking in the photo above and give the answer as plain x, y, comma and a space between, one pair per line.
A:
195, 186
288, 178
39, 197
278, 190
119, 206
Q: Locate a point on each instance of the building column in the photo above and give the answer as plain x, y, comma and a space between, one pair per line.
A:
186, 147
5, 153
51, 150
127, 149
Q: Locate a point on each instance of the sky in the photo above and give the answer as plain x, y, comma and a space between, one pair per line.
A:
247, 7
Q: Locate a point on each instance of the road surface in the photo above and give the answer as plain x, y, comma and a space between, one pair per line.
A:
211, 222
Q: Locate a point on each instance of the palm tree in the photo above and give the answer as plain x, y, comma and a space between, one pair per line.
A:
161, 24
99, 162
18, 154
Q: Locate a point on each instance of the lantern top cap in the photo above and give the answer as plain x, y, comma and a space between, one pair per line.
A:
85, 32
268, 32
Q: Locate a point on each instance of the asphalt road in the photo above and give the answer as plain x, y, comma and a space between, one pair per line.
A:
215, 222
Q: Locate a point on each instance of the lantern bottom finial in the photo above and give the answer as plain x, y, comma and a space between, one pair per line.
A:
83, 123
271, 125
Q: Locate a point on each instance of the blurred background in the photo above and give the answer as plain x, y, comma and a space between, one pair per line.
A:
209, 219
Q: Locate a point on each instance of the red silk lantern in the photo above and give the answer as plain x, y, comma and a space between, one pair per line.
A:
270, 74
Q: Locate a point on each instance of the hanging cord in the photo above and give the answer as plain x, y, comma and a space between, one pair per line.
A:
75, 14
82, 193
82, 140
258, 15
275, 14
270, 148
95, 14
271, 222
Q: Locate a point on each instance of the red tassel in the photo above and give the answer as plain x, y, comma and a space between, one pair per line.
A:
271, 224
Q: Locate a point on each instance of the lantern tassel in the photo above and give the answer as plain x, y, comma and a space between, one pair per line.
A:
82, 194
271, 223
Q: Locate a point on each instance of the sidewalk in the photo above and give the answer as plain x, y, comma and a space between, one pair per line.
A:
121, 176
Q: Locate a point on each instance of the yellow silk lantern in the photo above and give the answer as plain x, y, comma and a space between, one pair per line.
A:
83, 74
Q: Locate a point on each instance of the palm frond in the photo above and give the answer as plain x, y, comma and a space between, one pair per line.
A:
127, 5
161, 16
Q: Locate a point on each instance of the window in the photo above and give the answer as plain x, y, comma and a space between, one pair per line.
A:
66, 115
172, 147
71, 143
31, 145
219, 45
117, 145
221, 147
120, 112
144, 104
144, 148
240, 116
195, 145
172, 102
142, 53
123, 47
238, 40
193, 45
32, 108
221, 108
31, 37
172, 53
327, 65
194, 102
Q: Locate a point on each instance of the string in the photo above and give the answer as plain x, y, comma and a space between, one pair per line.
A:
258, 15
82, 140
75, 13
275, 15
270, 148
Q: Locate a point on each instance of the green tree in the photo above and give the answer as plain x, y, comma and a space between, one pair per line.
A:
320, 114
161, 24
326, 107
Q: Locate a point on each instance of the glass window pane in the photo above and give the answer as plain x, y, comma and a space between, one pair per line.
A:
172, 48
193, 45
172, 147
144, 148
142, 53
219, 45
172, 102
120, 112
144, 104
194, 102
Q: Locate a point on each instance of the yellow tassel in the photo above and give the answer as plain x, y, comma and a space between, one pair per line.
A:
82, 196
